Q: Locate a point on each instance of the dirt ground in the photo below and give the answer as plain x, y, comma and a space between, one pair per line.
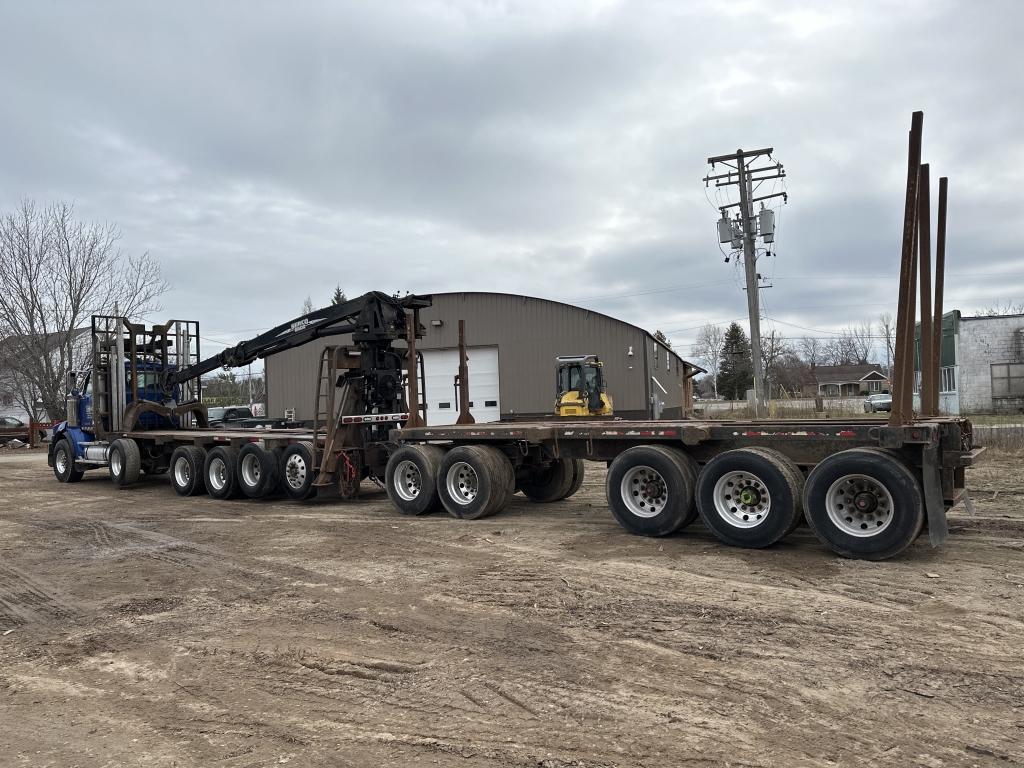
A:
139, 628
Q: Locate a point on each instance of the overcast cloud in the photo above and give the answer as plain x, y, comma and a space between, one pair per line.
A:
263, 152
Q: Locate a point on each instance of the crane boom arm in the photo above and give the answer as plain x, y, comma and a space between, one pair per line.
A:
374, 316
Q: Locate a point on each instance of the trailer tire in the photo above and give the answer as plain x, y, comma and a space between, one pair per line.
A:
298, 471
549, 482
692, 469
124, 462
411, 478
749, 497
864, 503
578, 473
64, 462
187, 468
220, 471
650, 490
257, 471
474, 481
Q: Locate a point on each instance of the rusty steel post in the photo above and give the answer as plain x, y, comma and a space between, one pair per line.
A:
940, 275
900, 414
465, 417
924, 230
412, 371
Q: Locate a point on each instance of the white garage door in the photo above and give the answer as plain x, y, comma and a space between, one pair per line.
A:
440, 369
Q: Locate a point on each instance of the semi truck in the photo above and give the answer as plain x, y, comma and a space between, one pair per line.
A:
866, 487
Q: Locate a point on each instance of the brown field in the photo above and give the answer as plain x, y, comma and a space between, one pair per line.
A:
138, 628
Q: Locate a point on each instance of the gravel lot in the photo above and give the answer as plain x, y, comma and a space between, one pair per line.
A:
138, 628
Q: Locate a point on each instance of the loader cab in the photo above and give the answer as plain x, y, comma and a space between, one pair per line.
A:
580, 387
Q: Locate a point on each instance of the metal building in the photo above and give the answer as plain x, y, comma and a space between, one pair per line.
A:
512, 344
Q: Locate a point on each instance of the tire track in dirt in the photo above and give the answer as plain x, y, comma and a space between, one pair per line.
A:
26, 600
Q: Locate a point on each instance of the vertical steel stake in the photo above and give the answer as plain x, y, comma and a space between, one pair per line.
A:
412, 371
940, 274
900, 414
465, 417
924, 202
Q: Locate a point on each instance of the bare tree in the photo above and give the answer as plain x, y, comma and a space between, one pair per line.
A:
1001, 307
709, 349
887, 330
773, 348
863, 343
812, 350
840, 351
56, 271
307, 306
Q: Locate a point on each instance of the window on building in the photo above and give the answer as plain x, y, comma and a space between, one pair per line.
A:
947, 379
444, 405
1008, 380
874, 386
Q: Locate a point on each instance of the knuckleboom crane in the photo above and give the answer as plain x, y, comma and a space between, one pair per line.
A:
144, 386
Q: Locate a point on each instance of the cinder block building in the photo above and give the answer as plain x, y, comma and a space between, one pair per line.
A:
982, 364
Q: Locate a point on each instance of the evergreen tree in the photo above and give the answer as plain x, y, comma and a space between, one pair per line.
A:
339, 296
663, 339
736, 373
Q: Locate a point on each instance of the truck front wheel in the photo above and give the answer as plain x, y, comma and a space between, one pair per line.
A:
124, 462
64, 462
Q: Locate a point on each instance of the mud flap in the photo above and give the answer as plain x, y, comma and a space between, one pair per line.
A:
938, 527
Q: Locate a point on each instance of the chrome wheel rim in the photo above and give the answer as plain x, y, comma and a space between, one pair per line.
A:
407, 480
742, 499
462, 483
116, 463
295, 471
859, 505
218, 474
60, 461
182, 472
644, 491
251, 470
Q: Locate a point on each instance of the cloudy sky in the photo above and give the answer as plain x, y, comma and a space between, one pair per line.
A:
263, 152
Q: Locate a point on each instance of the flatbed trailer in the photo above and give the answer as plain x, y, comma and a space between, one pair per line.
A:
866, 488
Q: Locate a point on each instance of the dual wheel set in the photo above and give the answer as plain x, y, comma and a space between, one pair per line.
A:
472, 481
862, 503
226, 472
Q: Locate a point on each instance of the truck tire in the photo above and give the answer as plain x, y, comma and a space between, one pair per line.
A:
578, 473
650, 490
124, 462
549, 482
257, 471
864, 503
187, 470
749, 497
220, 471
411, 478
297, 470
474, 481
692, 469
64, 462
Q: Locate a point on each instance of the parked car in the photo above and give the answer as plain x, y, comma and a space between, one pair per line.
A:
233, 415
875, 403
16, 429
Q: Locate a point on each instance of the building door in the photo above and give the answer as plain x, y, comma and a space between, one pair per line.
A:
441, 366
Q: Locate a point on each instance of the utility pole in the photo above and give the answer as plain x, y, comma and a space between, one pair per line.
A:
742, 233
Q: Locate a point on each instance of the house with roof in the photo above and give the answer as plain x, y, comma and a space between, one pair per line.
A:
847, 380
